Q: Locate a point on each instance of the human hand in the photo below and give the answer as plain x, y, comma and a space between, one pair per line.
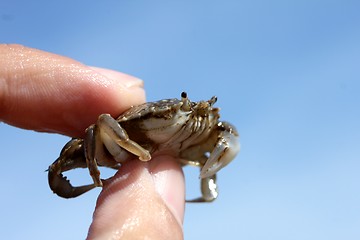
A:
50, 93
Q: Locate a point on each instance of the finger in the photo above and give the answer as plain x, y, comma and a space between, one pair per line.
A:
48, 92
144, 200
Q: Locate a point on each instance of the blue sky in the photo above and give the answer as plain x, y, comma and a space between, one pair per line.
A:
286, 73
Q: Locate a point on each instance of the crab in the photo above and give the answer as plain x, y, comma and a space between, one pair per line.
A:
189, 131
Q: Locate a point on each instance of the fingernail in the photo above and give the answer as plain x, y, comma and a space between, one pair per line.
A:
127, 81
169, 183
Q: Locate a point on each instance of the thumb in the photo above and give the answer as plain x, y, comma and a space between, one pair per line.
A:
144, 200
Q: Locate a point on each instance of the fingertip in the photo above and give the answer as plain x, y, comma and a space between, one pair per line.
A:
104, 91
169, 183
133, 205
127, 81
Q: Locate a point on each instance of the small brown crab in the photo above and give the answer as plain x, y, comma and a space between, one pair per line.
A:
190, 131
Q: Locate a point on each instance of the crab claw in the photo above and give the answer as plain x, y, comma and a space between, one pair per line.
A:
71, 156
62, 187
225, 150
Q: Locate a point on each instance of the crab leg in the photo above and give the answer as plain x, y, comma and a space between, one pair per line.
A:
111, 132
71, 156
209, 190
226, 147
92, 148
108, 133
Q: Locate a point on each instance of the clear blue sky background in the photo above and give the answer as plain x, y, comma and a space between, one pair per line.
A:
286, 73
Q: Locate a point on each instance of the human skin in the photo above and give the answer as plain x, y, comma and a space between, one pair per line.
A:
46, 92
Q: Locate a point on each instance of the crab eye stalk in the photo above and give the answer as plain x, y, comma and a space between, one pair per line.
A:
186, 106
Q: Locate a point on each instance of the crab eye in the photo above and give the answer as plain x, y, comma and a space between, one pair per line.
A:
184, 95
